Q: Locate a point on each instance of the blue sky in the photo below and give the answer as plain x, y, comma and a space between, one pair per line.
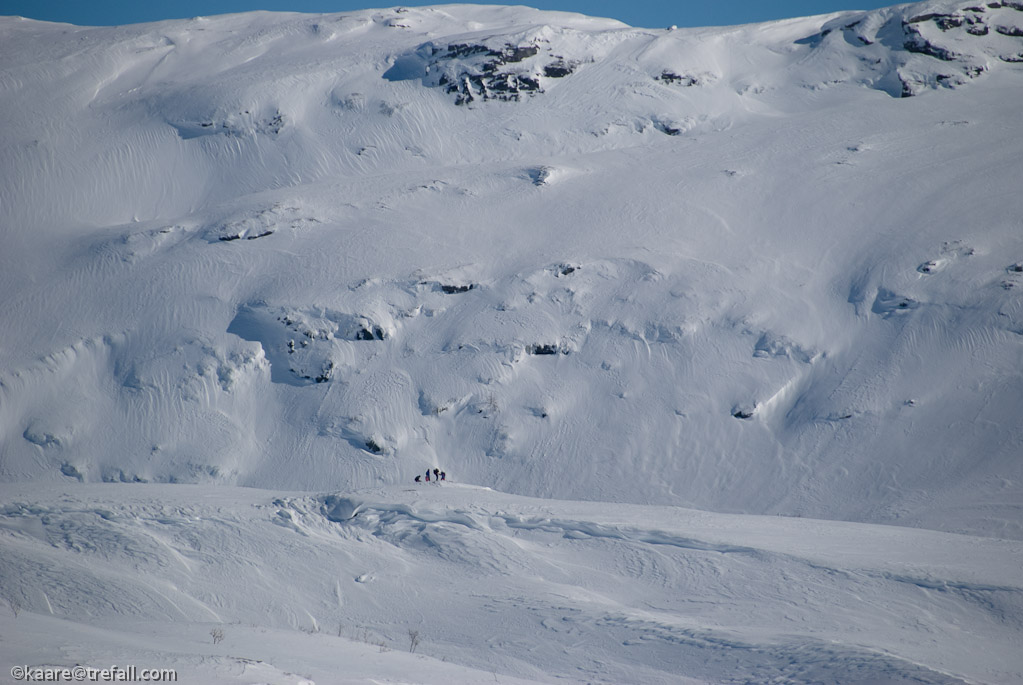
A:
653, 14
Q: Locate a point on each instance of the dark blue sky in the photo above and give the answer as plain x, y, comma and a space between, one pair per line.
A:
653, 14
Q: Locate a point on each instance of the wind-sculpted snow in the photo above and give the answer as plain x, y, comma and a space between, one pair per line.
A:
558, 300
480, 575
731, 269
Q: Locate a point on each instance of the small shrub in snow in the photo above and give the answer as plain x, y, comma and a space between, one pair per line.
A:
413, 638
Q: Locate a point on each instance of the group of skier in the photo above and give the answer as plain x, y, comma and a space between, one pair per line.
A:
438, 476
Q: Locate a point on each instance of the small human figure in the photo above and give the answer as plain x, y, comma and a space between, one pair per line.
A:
443, 476
419, 479
427, 475
436, 474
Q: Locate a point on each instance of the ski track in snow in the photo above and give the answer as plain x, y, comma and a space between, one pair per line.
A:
771, 271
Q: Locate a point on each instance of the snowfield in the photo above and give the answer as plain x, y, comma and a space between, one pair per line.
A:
543, 589
717, 332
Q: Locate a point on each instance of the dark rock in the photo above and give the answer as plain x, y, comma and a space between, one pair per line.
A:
944, 21
888, 303
529, 82
376, 333
539, 349
480, 74
907, 88
467, 50
977, 30
71, 472
238, 236
668, 129
540, 175
275, 124
455, 289
741, 413
495, 86
1014, 31
372, 446
679, 79
328, 371
558, 69
511, 55
919, 45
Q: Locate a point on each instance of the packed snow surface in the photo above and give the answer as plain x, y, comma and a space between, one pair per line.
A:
718, 333
541, 589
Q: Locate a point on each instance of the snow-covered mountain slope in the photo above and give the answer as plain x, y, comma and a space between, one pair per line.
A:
722, 268
773, 269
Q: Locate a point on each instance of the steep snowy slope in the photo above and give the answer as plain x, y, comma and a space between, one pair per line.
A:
656, 279
724, 268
